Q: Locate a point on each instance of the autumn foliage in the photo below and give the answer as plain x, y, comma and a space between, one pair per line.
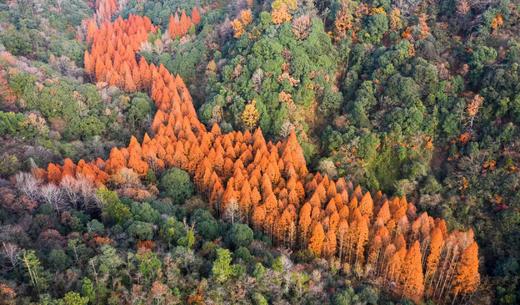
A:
246, 178
179, 26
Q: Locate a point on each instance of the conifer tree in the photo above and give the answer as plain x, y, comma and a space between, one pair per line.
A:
316, 240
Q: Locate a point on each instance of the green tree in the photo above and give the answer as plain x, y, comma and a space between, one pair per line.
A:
112, 207
176, 183
206, 224
74, 298
188, 240
10, 123
58, 259
259, 299
34, 269
88, 290
172, 230
149, 265
18, 42
222, 269
140, 230
240, 235
143, 211
346, 297
139, 112
109, 261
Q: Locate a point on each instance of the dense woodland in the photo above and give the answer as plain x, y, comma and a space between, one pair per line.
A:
259, 152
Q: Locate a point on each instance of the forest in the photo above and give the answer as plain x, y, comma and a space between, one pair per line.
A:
259, 152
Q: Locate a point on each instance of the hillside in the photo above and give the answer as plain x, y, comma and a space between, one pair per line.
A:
258, 152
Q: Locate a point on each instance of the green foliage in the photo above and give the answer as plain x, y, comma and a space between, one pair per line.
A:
482, 56
188, 240
243, 254
259, 299
205, 224
140, 230
58, 259
144, 212
18, 42
88, 290
96, 227
108, 261
255, 72
222, 269
34, 270
259, 271
149, 264
78, 106
376, 27
172, 230
74, 298
346, 297
9, 165
387, 112
140, 111
113, 209
11, 123
240, 235
176, 184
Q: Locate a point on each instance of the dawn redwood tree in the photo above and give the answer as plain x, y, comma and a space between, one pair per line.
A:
316, 239
467, 277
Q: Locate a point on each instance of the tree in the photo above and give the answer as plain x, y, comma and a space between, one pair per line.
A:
473, 107
58, 259
222, 269
112, 208
140, 230
346, 297
176, 183
281, 10
149, 264
52, 195
304, 223
240, 235
139, 113
195, 15
74, 298
250, 115
316, 240
27, 184
433, 258
34, 269
412, 273
259, 299
205, 224
467, 277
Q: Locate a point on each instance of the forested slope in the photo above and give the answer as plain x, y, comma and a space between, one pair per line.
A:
299, 102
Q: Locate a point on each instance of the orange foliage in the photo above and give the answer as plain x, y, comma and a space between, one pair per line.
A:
180, 26
316, 240
467, 276
497, 22
195, 16
412, 280
245, 17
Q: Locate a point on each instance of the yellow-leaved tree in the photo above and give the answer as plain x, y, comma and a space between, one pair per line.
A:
250, 115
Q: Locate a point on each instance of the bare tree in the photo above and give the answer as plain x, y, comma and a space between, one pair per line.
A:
28, 185
71, 191
79, 192
11, 252
87, 190
52, 195
232, 211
